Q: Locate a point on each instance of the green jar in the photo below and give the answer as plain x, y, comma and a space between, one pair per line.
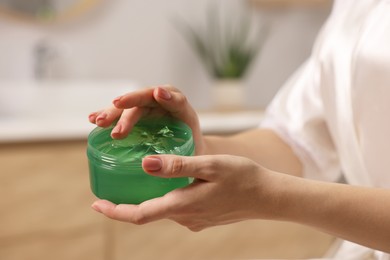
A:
115, 166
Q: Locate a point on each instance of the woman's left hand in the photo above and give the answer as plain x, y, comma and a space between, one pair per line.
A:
226, 189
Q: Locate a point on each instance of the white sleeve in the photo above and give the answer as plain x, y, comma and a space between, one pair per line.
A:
296, 114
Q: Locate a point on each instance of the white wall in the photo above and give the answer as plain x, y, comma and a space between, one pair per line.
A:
288, 46
135, 40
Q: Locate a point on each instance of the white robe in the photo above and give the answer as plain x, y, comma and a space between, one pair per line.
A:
333, 110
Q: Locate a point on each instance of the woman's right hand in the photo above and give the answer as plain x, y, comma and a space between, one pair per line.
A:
129, 108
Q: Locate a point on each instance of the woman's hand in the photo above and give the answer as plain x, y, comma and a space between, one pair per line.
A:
229, 189
130, 107
226, 189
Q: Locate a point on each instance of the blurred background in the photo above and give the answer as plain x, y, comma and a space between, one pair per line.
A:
61, 59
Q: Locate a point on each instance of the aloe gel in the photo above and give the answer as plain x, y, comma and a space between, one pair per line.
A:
115, 166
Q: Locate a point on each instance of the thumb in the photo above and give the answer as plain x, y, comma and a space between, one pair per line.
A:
173, 166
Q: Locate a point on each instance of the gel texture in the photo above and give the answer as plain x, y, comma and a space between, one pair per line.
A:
142, 141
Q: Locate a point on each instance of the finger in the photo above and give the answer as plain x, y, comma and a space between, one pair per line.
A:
118, 212
155, 209
126, 122
146, 212
171, 100
172, 166
138, 98
107, 116
92, 117
168, 97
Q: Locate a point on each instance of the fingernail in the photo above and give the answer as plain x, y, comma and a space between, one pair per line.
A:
102, 116
117, 129
152, 164
164, 94
91, 116
116, 100
95, 207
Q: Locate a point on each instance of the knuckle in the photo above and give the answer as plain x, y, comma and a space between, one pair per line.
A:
177, 166
211, 167
181, 99
111, 212
195, 228
111, 215
171, 205
138, 219
191, 225
178, 203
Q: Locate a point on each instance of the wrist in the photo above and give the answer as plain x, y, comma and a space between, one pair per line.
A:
282, 194
301, 200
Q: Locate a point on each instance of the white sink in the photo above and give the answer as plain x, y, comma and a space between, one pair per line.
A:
53, 110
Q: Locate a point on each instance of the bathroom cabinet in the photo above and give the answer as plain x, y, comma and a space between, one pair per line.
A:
45, 213
45, 204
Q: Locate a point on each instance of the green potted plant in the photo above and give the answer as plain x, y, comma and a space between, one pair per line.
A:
226, 48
